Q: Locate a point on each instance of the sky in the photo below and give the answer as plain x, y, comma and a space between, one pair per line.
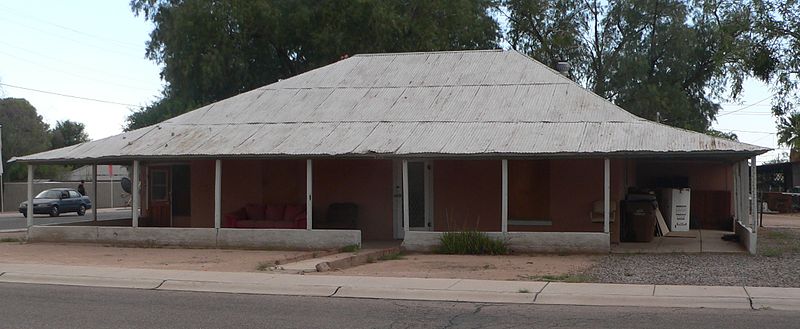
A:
95, 49
91, 49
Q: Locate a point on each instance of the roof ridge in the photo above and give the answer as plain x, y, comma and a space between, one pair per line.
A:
430, 52
515, 84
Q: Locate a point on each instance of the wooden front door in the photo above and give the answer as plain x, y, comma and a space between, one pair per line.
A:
160, 197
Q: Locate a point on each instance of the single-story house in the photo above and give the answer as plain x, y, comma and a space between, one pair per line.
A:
406, 146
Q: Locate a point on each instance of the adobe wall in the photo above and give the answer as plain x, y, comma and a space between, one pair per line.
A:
367, 183
574, 185
467, 195
703, 175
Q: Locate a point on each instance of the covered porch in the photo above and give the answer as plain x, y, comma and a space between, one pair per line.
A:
536, 205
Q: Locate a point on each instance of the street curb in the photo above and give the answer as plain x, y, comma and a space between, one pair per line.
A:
448, 290
14, 230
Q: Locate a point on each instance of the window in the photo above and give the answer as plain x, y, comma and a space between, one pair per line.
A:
48, 194
73, 194
158, 185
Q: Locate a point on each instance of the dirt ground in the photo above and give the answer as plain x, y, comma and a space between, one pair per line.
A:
516, 267
781, 220
153, 258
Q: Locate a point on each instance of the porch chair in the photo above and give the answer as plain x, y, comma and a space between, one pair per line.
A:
597, 214
340, 216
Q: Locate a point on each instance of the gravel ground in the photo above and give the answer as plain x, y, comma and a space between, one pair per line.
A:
777, 265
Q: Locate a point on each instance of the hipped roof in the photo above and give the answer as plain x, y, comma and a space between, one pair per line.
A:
465, 103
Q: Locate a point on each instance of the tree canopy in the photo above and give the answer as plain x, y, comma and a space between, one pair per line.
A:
672, 61
664, 60
212, 50
25, 132
67, 133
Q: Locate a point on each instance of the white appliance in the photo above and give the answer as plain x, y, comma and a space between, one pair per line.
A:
674, 205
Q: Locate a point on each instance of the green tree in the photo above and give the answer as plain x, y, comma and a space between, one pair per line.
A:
211, 50
24, 132
67, 133
777, 25
789, 131
721, 134
665, 60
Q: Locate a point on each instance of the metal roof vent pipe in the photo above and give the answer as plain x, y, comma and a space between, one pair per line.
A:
563, 68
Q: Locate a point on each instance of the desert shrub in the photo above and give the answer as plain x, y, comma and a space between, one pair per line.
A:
471, 242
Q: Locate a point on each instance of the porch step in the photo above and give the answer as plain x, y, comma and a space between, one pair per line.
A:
337, 261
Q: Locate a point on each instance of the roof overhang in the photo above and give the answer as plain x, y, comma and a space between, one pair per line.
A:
126, 160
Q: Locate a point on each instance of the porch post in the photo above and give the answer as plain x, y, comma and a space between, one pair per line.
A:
504, 211
217, 193
606, 194
309, 186
405, 196
30, 196
95, 204
753, 195
135, 191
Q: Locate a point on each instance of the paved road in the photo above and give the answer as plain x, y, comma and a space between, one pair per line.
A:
45, 306
15, 220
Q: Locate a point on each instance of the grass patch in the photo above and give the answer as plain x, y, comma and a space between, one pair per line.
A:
351, 248
559, 278
392, 256
776, 242
10, 240
471, 243
779, 235
771, 252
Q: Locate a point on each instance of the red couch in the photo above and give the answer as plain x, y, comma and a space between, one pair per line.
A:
267, 216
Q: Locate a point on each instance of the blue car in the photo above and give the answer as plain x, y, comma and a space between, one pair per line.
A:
56, 201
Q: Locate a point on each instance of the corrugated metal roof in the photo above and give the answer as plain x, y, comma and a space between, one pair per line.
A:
449, 103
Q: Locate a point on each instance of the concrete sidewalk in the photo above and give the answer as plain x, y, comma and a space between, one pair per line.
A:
460, 290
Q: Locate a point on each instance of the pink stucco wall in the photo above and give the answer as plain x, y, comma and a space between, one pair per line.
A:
467, 194
703, 175
366, 183
575, 184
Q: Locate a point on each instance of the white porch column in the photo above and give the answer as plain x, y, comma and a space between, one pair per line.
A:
504, 211
753, 195
136, 195
217, 193
95, 204
309, 186
606, 195
30, 196
406, 224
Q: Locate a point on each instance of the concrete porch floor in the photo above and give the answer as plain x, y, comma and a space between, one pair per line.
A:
694, 241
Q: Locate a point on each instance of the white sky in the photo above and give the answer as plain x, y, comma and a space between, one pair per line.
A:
91, 49
95, 49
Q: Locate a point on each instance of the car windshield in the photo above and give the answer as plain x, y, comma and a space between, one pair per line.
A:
49, 194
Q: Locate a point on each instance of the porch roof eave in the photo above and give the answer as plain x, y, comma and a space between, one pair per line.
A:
126, 159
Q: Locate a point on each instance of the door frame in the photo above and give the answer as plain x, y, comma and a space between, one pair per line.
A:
151, 171
397, 197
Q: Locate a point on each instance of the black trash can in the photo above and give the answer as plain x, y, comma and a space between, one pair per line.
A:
639, 222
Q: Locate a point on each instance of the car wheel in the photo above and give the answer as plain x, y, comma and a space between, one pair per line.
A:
82, 210
54, 211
